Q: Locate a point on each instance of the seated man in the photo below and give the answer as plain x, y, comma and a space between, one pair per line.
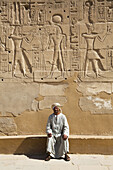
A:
57, 131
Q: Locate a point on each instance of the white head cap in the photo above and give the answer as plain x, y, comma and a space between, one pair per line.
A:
56, 104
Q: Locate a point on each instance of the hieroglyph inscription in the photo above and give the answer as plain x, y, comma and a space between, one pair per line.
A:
34, 41
96, 41
49, 40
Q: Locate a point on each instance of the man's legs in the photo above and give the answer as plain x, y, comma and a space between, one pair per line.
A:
57, 147
50, 148
66, 150
62, 148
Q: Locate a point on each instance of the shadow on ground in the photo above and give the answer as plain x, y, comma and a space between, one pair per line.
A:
38, 157
41, 157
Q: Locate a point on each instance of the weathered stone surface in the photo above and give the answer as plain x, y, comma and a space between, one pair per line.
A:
44, 45
94, 88
96, 105
48, 101
92, 167
34, 106
8, 126
6, 114
53, 90
52, 93
17, 97
112, 87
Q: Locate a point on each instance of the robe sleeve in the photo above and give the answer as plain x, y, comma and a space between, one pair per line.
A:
66, 127
48, 126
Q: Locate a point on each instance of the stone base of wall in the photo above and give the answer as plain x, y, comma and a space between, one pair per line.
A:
36, 145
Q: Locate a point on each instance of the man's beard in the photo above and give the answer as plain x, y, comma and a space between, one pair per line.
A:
56, 111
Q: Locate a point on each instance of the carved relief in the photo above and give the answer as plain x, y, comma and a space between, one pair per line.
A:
96, 64
74, 38
47, 41
34, 40
92, 55
58, 38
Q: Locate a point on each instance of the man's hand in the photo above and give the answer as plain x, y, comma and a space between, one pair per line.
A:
49, 135
65, 137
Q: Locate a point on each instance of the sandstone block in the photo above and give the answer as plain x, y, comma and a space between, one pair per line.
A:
96, 105
49, 90
94, 88
34, 106
48, 101
17, 97
8, 126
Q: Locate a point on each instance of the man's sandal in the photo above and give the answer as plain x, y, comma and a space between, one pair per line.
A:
48, 158
67, 158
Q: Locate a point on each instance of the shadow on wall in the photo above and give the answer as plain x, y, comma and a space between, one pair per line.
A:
32, 146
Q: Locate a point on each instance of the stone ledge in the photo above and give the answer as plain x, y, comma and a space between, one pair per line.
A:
70, 137
36, 144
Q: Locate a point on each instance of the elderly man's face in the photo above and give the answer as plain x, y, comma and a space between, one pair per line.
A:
56, 110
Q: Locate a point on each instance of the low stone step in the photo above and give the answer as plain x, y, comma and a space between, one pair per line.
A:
36, 144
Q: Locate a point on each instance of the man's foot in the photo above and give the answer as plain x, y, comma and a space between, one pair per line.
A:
67, 158
48, 158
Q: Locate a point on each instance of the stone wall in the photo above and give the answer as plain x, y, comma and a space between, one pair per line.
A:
56, 51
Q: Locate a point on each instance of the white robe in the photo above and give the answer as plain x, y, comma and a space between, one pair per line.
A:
57, 125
